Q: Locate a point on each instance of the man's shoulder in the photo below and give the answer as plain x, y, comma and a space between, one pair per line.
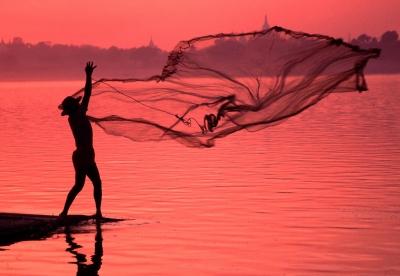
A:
82, 108
80, 112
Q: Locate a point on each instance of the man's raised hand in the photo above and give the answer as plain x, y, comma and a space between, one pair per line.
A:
89, 68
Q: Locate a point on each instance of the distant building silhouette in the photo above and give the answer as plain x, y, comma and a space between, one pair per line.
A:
2, 45
266, 25
151, 43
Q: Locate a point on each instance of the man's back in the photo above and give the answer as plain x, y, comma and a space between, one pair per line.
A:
81, 127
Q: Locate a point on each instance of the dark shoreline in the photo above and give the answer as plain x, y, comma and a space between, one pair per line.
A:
16, 227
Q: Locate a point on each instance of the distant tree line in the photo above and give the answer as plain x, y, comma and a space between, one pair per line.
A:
389, 60
47, 61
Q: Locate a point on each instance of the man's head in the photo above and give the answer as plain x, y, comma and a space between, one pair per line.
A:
69, 105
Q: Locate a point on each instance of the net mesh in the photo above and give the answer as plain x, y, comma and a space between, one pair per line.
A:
215, 85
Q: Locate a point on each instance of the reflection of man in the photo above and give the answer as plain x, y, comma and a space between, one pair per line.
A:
83, 268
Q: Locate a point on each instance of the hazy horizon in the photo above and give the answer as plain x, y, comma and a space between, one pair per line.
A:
131, 24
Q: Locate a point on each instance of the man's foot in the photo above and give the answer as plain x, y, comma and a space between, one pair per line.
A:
62, 215
98, 215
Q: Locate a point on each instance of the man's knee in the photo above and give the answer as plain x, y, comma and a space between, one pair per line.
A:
79, 181
78, 186
94, 176
97, 183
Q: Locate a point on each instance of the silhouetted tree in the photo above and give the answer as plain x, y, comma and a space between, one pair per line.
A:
389, 37
364, 39
18, 41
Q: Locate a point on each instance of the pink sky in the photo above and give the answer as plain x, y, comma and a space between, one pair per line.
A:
132, 23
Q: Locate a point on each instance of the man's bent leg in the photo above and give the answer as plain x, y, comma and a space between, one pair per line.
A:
80, 176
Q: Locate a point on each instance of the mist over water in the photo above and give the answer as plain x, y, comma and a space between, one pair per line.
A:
317, 194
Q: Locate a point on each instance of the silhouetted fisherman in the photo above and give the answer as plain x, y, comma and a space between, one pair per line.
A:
83, 156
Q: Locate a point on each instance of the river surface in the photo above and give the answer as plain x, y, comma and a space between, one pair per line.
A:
318, 194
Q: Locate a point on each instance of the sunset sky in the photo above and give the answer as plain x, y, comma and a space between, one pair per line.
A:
132, 23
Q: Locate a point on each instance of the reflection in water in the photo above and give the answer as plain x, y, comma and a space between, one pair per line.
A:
81, 261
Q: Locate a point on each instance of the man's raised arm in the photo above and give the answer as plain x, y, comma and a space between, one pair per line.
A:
88, 86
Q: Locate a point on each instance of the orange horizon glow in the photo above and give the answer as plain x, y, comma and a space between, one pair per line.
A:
128, 24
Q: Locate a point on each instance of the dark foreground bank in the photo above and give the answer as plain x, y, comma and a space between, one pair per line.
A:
21, 227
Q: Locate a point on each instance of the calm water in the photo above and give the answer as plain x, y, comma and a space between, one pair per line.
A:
316, 195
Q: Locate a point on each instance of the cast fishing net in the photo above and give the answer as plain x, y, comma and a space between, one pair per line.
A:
215, 85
